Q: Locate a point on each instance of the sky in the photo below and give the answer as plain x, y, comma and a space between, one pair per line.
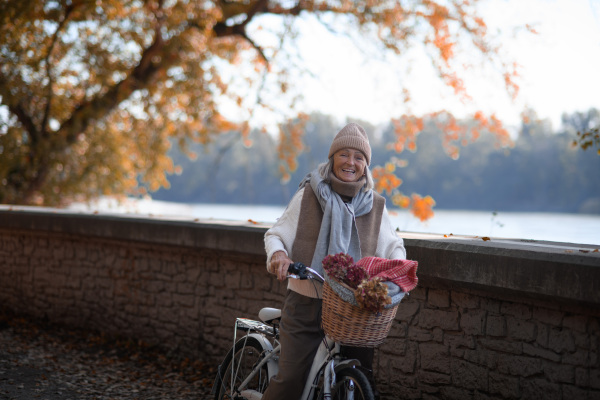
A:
559, 68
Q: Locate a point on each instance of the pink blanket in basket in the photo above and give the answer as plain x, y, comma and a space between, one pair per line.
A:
402, 272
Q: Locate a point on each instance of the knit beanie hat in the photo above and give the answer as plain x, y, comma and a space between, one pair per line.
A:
352, 136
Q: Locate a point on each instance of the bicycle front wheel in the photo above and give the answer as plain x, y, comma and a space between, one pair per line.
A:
237, 365
350, 384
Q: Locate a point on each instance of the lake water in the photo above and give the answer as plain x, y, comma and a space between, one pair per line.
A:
570, 228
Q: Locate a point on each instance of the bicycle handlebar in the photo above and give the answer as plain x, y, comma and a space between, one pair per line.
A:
300, 271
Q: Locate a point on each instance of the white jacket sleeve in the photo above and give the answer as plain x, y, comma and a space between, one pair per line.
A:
282, 234
389, 244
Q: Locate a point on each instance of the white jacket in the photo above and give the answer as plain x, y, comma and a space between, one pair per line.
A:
282, 234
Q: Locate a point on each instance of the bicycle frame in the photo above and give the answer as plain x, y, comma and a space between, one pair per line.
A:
326, 359
326, 362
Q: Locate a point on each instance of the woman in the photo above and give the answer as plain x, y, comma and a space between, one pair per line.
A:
334, 210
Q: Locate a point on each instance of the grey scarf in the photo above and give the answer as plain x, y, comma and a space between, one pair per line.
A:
338, 233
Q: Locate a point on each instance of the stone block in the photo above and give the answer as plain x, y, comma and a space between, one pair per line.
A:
519, 365
398, 329
434, 357
393, 347
580, 358
407, 310
558, 373
537, 351
433, 378
217, 279
561, 340
543, 333
490, 305
495, 326
455, 393
574, 392
164, 299
232, 280
437, 335
418, 294
485, 358
247, 280
506, 386
595, 378
519, 329
458, 343
183, 300
582, 377
577, 323
472, 322
438, 298
428, 390
581, 339
419, 335
469, 376
185, 288
540, 389
406, 364
446, 320
547, 316
464, 300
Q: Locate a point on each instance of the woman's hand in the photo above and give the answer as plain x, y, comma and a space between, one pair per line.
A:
279, 265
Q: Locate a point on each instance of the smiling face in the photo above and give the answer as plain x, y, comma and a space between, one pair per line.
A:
349, 165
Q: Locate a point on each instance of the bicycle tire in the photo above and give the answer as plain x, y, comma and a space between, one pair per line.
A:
349, 380
246, 353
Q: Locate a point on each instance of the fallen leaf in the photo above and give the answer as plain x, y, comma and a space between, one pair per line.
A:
485, 238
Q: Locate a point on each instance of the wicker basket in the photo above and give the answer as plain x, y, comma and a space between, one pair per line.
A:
351, 325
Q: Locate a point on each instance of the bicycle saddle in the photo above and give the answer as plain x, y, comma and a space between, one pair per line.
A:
268, 314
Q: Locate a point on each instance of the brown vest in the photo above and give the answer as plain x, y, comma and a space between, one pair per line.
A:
309, 225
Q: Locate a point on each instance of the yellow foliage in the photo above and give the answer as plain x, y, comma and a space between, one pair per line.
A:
94, 92
385, 180
422, 207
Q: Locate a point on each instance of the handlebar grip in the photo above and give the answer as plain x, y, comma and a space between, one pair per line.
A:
298, 269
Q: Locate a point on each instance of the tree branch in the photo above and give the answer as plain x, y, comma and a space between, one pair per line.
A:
47, 109
221, 29
152, 61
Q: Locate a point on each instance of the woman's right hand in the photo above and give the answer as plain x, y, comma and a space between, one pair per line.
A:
279, 265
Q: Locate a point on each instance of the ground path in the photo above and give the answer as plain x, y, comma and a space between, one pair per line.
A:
40, 361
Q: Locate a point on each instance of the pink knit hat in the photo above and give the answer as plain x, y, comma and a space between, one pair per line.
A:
352, 136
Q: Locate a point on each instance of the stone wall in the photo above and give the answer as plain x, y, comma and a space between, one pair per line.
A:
490, 319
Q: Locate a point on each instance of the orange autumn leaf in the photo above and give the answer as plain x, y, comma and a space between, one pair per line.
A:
406, 129
401, 200
385, 181
422, 207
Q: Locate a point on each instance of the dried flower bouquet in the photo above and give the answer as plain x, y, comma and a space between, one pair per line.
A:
370, 293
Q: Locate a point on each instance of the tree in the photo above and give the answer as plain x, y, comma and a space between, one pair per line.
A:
93, 93
586, 125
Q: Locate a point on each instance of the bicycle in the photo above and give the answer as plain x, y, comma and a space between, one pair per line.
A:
248, 367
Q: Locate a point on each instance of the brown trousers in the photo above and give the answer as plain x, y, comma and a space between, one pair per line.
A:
300, 336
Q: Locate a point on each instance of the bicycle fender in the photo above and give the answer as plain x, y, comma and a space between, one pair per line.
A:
272, 364
351, 363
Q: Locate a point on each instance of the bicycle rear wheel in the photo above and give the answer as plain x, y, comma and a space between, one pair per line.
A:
350, 384
244, 356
